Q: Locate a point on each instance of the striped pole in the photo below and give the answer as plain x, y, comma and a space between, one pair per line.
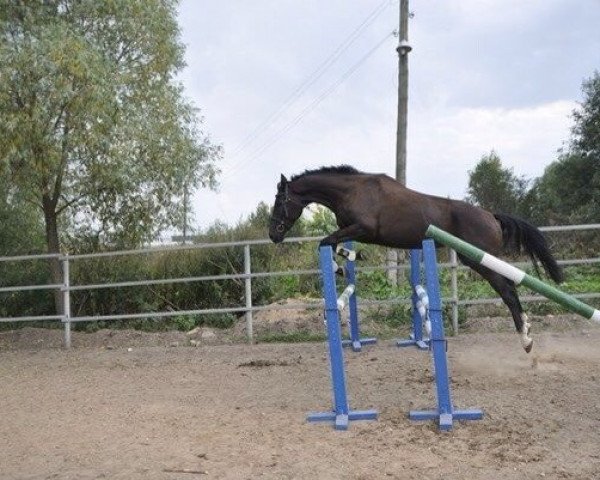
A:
519, 277
355, 341
344, 298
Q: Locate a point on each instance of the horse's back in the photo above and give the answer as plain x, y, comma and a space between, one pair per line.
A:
404, 215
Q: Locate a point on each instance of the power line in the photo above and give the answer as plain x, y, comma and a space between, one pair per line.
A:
309, 108
311, 79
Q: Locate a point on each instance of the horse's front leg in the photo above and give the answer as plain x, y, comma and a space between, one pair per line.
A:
353, 232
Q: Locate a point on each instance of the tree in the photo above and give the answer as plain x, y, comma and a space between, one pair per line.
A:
569, 189
497, 189
95, 130
22, 230
586, 132
321, 222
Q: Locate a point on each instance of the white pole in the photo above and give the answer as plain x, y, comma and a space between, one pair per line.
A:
66, 302
248, 294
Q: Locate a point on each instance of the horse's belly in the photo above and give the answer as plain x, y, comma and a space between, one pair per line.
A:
399, 235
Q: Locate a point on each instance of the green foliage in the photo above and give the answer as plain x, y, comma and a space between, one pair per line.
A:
569, 190
94, 128
171, 296
293, 337
287, 286
322, 222
586, 132
218, 320
378, 287
394, 316
497, 189
184, 323
372, 285
22, 230
25, 303
580, 279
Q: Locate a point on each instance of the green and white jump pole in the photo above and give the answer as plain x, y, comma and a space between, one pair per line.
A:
519, 277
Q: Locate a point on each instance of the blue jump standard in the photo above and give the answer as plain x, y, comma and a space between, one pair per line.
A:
445, 412
355, 341
416, 338
341, 414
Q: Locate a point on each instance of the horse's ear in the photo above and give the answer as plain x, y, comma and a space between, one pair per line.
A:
283, 180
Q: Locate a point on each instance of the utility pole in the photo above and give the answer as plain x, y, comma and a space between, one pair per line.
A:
403, 49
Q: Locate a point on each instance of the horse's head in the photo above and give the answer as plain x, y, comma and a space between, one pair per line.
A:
287, 209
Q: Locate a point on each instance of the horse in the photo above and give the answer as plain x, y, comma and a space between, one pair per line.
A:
376, 209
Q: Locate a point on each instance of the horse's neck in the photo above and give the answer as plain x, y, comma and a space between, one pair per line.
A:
323, 189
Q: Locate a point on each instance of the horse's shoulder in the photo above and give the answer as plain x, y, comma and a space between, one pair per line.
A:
377, 181
381, 178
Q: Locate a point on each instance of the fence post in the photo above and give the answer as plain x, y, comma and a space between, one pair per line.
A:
391, 262
248, 294
454, 288
66, 296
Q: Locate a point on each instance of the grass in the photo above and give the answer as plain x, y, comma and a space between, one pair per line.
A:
292, 337
375, 285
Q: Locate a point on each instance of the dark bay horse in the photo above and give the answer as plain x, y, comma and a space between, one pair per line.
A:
374, 208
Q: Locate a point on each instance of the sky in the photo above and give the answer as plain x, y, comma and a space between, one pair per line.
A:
288, 85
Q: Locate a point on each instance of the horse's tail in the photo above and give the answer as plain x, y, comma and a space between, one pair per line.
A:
519, 235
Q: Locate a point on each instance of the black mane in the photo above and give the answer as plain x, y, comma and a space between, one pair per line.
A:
339, 170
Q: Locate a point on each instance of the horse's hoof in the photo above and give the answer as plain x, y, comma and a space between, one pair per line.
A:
360, 255
529, 347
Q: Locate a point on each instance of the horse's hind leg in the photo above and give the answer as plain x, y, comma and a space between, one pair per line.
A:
508, 292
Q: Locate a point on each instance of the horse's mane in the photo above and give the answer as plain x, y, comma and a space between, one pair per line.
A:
340, 170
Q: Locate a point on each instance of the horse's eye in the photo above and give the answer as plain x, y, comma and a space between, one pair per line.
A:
280, 227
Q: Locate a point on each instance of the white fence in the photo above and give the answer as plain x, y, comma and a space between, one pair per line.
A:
246, 307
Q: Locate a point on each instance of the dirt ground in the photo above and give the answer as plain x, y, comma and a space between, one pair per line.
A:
132, 405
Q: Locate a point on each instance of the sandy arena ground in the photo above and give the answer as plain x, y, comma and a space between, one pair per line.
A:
163, 411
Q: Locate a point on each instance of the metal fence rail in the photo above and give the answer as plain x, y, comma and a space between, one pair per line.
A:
247, 276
